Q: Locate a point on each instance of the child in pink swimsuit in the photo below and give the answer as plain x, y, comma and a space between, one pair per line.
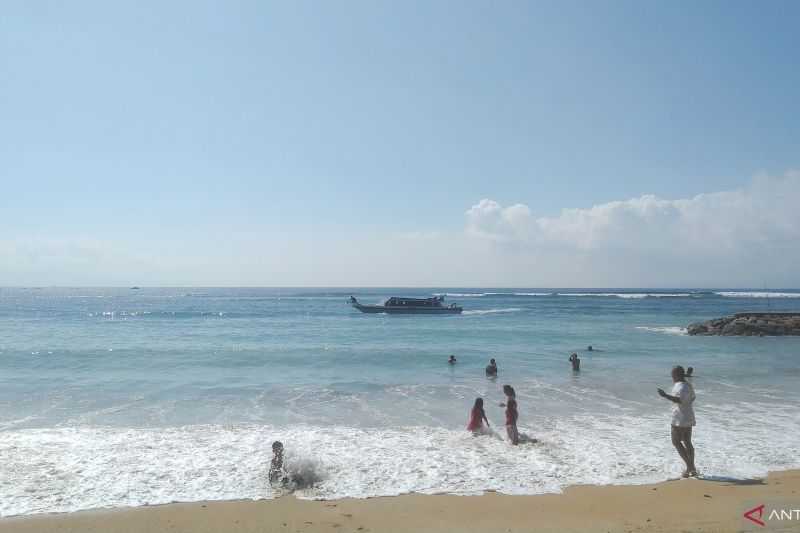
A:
476, 417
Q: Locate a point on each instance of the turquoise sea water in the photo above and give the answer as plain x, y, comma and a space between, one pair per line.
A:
125, 397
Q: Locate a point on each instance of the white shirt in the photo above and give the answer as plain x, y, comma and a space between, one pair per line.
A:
683, 413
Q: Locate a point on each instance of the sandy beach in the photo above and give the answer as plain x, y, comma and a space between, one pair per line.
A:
679, 505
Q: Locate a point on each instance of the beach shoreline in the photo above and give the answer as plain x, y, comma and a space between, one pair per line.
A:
675, 505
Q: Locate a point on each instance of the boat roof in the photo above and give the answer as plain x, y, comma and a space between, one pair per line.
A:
415, 299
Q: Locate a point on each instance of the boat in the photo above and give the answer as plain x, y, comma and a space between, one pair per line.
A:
409, 306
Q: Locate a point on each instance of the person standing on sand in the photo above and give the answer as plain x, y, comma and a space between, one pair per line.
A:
477, 417
511, 414
682, 418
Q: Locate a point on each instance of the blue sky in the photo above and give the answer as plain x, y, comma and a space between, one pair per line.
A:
238, 143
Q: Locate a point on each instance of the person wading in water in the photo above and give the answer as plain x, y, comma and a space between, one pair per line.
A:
511, 414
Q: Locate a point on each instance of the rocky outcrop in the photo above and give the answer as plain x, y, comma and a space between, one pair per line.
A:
749, 324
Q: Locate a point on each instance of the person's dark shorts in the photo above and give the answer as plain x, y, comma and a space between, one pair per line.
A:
681, 434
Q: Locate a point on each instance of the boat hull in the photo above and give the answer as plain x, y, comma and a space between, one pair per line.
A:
408, 310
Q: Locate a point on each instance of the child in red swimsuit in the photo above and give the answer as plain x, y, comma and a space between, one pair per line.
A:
476, 417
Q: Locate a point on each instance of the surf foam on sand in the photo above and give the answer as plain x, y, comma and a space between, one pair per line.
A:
69, 469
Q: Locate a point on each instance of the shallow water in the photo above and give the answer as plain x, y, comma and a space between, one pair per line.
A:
127, 397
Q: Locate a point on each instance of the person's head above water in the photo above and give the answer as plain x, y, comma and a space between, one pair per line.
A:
589, 349
478, 403
689, 371
678, 373
491, 362
452, 359
277, 447
508, 390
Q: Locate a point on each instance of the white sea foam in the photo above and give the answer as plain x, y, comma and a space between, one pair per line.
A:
633, 295
491, 311
670, 330
628, 295
461, 294
762, 294
68, 469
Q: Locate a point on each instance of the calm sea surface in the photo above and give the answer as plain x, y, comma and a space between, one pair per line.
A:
115, 397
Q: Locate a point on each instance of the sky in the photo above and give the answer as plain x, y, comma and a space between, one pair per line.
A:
377, 143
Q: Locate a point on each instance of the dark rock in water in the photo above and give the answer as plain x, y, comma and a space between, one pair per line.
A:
749, 324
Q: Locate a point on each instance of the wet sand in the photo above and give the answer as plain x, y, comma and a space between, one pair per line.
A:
679, 505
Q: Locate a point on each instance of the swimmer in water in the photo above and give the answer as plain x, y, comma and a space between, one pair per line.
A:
491, 368
452, 360
576, 362
476, 418
589, 348
689, 372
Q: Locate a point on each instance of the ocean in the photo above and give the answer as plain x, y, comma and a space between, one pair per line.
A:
126, 397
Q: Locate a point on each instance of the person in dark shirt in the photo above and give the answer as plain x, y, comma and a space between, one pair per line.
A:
576, 362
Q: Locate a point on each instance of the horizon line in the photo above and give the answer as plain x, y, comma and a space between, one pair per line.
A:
482, 287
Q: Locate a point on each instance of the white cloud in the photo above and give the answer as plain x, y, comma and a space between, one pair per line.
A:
766, 212
748, 236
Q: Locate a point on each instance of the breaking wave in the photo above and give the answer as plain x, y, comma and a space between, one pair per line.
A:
670, 330
629, 295
491, 311
757, 294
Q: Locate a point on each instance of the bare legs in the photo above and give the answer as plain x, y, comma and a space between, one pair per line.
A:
682, 440
513, 433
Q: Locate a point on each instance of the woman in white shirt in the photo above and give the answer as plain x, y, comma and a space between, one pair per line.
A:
682, 418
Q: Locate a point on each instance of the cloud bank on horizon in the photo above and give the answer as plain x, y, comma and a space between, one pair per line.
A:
745, 237
763, 215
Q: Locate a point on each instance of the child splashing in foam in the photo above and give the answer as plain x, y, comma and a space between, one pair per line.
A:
276, 472
299, 475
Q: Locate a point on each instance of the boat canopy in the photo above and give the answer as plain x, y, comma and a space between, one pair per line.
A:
417, 302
